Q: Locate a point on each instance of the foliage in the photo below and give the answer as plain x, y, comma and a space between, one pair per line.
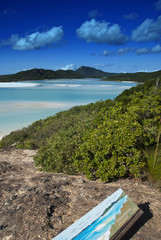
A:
155, 172
82, 72
153, 157
114, 148
40, 131
57, 154
39, 74
105, 140
92, 72
136, 77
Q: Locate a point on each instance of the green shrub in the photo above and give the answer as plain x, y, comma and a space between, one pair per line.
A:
104, 140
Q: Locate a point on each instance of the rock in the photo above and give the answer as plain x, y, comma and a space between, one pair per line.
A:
13, 197
7, 202
37, 205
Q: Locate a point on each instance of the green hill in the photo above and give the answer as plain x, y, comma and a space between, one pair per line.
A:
40, 74
136, 77
93, 73
82, 72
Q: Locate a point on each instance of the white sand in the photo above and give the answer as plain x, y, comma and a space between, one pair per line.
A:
9, 130
2, 134
25, 107
41, 105
17, 84
8, 106
67, 85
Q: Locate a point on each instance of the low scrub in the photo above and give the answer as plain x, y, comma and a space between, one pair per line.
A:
105, 140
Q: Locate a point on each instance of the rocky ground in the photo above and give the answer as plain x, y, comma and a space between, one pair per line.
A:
36, 205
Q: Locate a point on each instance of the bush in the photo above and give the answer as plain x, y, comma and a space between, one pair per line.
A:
105, 140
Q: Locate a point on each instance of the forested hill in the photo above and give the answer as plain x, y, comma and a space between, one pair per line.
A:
136, 77
82, 72
106, 140
94, 73
40, 74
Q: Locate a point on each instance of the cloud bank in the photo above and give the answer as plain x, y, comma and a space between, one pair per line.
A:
107, 53
7, 11
149, 30
158, 5
101, 32
102, 66
141, 51
69, 67
94, 13
122, 51
131, 16
156, 49
138, 51
36, 40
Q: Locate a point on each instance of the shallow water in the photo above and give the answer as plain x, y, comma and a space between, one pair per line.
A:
22, 103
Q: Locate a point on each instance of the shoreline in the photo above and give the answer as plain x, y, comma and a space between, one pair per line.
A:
34, 104
18, 84
3, 135
17, 114
32, 107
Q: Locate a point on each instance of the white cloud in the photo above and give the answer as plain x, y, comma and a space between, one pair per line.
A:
107, 53
141, 51
102, 66
156, 49
131, 16
101, 32
138, 51
149, 30
69, 67
122, 51
35, 40
158, 5
7, 11
94, 13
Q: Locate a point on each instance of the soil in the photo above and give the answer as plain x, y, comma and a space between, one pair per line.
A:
38, 205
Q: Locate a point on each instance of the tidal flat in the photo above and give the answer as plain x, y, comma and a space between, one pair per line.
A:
22, 103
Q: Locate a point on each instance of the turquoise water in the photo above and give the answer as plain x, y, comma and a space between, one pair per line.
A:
23, 103
103, 224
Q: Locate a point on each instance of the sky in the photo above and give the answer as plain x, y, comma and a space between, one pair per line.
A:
110, 35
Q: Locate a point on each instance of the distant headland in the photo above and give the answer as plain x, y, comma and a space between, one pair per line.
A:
82, 72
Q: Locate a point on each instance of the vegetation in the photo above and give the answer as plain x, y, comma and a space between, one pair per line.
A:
39, 74
92, 72
153, 157
82, 72
105, 140
136, 77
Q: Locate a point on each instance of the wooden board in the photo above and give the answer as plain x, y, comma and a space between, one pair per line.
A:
123, 230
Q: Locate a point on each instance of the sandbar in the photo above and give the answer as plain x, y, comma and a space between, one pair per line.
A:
15, 115
17, 84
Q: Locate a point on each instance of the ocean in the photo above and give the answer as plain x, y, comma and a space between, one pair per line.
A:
22, 103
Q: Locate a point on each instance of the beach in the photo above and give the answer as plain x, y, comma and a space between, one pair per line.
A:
22, 103
26, 112
2, 134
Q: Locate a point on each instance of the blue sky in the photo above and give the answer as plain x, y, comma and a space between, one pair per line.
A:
114, 36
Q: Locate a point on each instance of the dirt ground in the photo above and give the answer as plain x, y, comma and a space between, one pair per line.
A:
36, 205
